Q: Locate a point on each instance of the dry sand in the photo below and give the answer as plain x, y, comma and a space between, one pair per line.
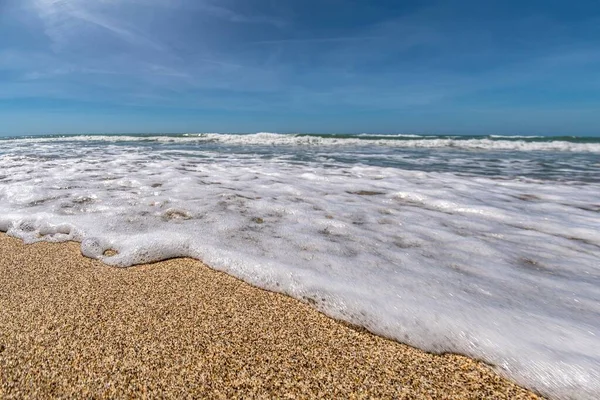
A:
73, 327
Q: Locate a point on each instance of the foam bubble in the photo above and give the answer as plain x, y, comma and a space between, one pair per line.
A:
94, 247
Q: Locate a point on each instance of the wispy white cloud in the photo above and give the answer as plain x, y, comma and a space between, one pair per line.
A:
215, 9
230, 15
128, 35
319, 40
64, 20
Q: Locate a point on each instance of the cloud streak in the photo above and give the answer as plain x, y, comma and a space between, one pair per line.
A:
215, 10
65, 19
230, 15
319, 40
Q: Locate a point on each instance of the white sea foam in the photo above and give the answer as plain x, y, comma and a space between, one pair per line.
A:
507, 271
516, 137
398, 141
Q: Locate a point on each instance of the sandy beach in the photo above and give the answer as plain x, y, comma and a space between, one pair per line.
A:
73, 327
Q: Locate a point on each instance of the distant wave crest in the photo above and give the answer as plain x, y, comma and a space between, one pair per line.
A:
492, 142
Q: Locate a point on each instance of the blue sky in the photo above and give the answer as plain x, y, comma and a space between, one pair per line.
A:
473, 67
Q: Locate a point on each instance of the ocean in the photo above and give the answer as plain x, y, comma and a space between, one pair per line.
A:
487, 246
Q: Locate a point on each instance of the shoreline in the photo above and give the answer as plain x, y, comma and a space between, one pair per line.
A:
71, 326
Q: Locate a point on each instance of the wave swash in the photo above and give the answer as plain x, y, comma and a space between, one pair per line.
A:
488, 247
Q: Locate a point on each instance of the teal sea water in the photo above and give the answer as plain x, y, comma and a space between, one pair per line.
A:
488, 246
542, 157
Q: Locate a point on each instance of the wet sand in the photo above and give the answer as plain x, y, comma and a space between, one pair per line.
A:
73, 327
